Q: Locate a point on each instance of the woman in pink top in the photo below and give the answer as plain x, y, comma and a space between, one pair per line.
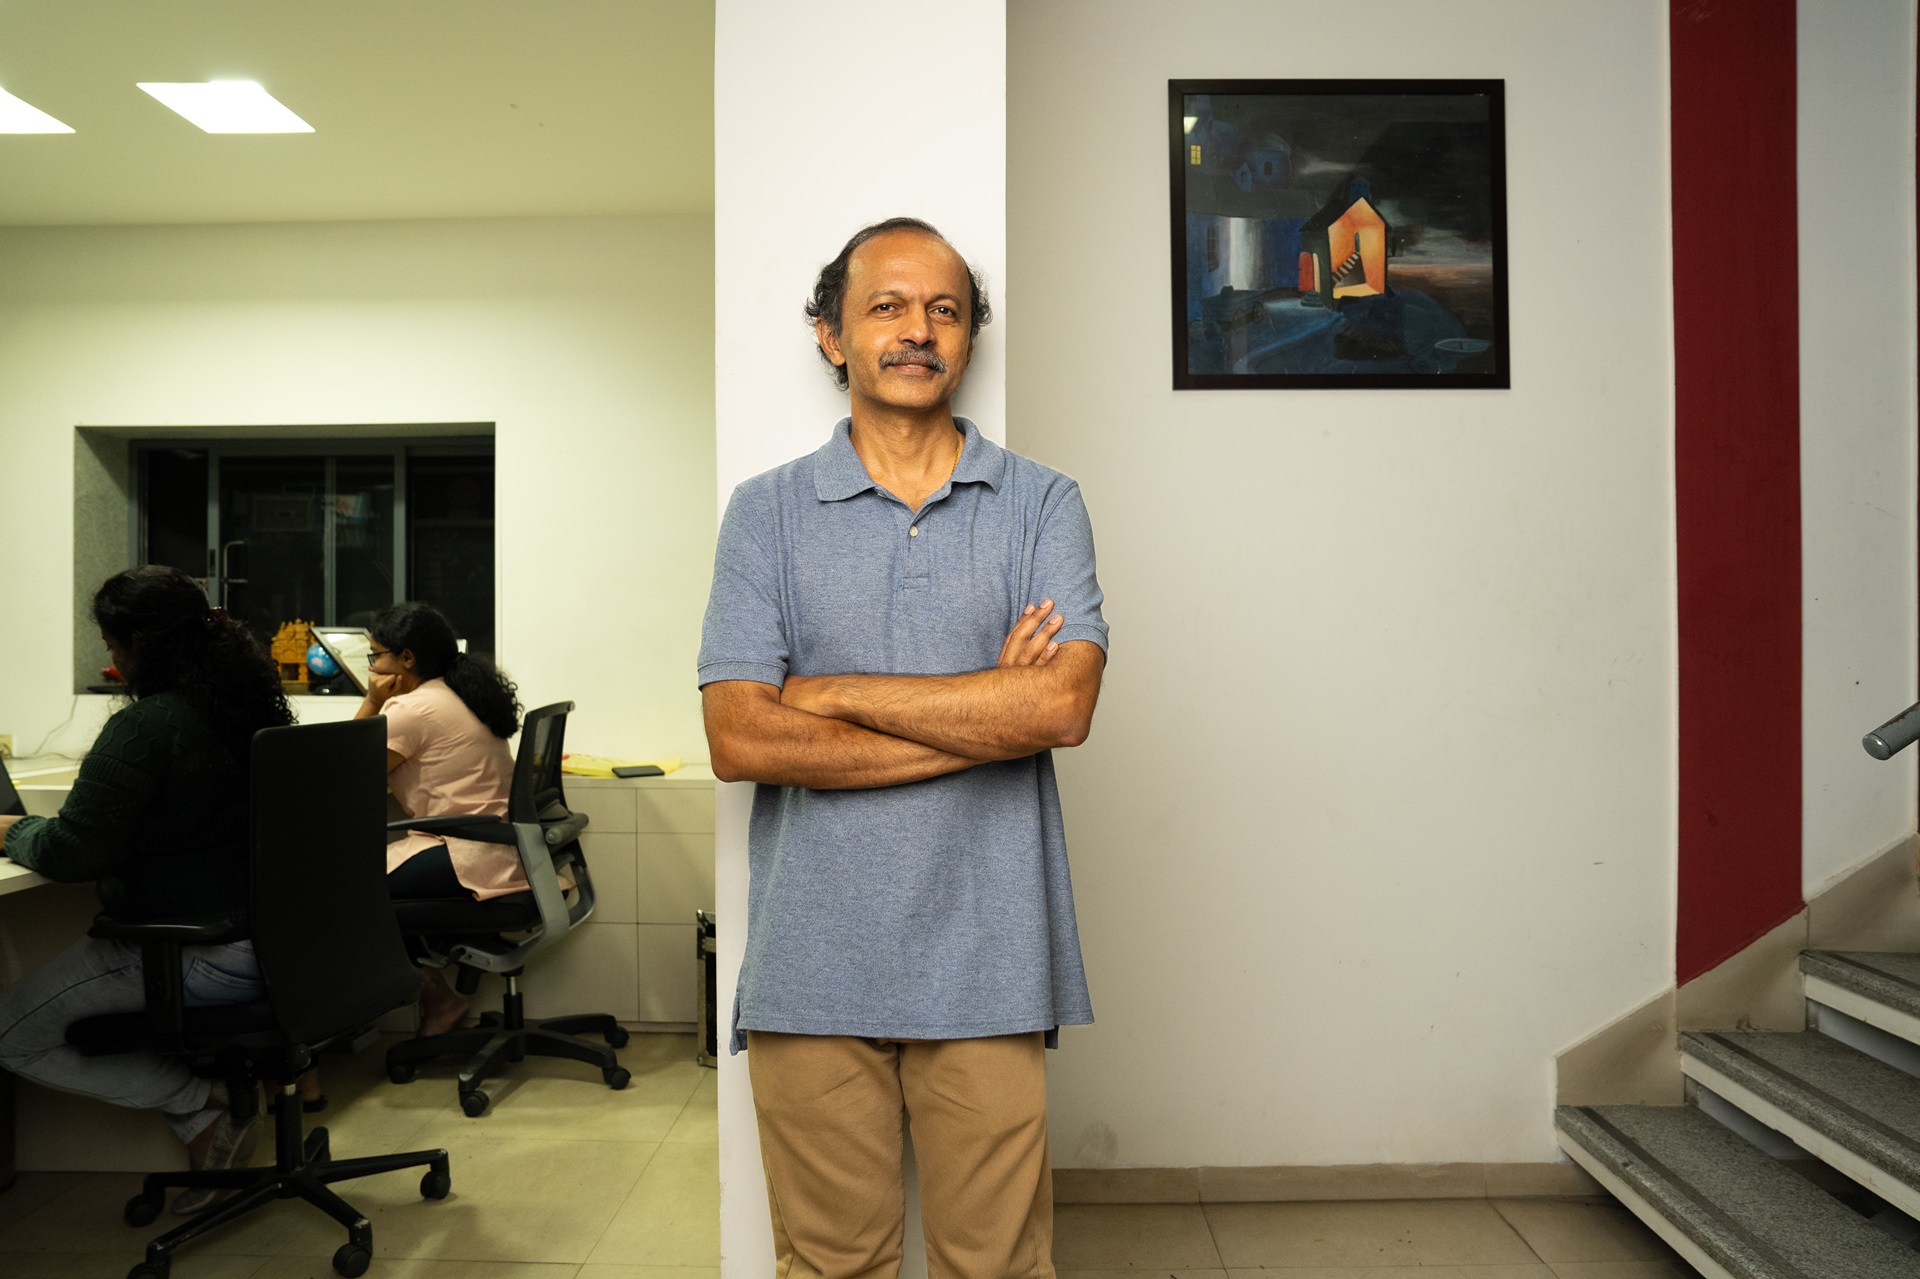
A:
449, 715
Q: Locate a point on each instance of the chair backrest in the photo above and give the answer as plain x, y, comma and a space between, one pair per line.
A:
536, 769
323, 925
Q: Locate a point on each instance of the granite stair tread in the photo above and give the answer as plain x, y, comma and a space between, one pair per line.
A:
1753, 1216
1862, 1104
1886, 977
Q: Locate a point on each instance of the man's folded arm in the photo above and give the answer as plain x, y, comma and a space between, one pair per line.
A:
1009, 712
754, 738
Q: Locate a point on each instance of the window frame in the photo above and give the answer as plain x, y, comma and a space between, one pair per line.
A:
331, 449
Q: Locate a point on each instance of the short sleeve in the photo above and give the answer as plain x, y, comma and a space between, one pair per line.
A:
744, 635
407, 728
1063, 566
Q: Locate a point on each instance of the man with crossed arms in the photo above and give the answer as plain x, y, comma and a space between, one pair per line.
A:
903, 625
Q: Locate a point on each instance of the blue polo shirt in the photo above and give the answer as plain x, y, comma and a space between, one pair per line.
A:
940, 909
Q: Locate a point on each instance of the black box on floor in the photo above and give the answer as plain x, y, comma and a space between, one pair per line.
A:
706, 988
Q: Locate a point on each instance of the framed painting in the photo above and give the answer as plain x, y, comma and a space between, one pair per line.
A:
1338, 233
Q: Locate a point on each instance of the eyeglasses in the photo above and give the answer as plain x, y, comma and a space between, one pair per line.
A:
378, 652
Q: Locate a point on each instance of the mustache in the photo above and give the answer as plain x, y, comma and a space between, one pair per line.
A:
928, 358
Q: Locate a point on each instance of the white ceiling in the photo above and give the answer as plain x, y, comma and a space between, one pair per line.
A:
421, 109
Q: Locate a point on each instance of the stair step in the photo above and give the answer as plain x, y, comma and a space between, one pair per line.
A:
1881, 988
1721, 1202
1860, 1115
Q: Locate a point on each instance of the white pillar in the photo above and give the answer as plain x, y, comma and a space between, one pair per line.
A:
827, 118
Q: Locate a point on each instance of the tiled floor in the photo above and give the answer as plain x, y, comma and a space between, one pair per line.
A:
1416, 1239
581, 1182
578, 1182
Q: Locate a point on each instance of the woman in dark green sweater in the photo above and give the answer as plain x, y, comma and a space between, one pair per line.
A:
157, 819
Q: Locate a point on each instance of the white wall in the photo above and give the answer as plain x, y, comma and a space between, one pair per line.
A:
1378, 810
820, 127
1856, 421
584, 340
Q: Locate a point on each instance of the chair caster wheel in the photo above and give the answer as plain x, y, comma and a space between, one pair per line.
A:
435, 1184
400, 1072
616, 1077
352, 1260
141, 1210
474, 1103
617, 1037
149, 1270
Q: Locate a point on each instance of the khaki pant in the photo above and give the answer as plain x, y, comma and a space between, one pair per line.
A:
830, 1111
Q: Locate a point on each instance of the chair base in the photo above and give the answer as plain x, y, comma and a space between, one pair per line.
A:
304, 1169
505, 1037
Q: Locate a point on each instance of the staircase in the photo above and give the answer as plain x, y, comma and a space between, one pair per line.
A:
1845, 1130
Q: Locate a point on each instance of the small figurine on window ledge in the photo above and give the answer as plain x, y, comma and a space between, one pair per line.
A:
289, 649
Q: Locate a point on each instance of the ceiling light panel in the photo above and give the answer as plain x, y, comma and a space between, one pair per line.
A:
22, 117
229, 106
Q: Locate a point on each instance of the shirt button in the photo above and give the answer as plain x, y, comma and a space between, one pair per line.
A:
914, 531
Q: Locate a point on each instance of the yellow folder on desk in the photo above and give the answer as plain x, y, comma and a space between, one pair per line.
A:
603, 766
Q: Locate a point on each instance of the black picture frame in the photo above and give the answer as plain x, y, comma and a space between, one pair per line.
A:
1430, 152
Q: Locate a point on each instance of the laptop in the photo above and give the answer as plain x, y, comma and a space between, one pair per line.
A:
10, 805
352, 647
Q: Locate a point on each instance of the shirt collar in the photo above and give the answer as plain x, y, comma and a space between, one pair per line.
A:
838, 472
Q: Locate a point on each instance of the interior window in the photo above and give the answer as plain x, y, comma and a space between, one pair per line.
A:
325, 532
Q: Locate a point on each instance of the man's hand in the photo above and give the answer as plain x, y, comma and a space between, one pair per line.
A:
1040, 695
1030, 642
754, 738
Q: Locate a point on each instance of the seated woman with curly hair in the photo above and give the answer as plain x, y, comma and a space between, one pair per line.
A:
157, 820
449, 715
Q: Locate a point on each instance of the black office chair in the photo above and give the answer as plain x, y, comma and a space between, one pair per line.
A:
500, 934
332, 959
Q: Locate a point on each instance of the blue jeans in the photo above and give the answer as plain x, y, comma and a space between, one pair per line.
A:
92, 977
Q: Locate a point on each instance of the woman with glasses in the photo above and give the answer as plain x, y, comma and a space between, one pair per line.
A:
449, 715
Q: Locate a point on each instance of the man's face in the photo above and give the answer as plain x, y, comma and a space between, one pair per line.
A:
903, 337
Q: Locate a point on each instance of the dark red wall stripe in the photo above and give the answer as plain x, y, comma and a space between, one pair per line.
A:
1737, 461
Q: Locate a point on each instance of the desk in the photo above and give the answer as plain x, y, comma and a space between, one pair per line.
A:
43, 786
15, 878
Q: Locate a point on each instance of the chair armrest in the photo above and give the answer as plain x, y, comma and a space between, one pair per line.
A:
561, 833
478, 826
161, 943
199, 930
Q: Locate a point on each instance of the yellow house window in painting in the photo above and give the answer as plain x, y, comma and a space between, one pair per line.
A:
1347, 242
1357, 241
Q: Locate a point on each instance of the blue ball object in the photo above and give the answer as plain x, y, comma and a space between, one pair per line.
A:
321, 662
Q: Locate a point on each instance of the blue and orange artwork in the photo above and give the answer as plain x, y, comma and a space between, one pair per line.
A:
1339, 233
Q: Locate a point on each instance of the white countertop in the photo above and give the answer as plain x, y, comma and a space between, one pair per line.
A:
15, 878
43, 783
695, 774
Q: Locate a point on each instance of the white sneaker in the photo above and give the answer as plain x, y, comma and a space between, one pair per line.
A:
232, 1145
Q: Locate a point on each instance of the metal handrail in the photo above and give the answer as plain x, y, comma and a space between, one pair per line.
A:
1895, 735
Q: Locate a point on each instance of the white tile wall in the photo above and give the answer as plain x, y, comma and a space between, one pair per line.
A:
616, 873
649, 842
676, 870
609, 806
680, 808
666, 972
594, 970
